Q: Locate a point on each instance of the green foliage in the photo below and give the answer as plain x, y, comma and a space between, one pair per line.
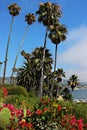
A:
4, 118
17, 100
73, 81
17, 90
67, 95
80, 111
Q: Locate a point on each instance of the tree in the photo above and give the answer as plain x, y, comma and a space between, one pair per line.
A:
30, 19
14, 10
48, 13
67, 94
57, 35
26, 75
29, 74
73, 81
59, 74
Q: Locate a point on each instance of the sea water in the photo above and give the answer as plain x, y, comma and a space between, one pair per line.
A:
80, 94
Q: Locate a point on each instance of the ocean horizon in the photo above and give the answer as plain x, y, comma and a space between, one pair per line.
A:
80, 94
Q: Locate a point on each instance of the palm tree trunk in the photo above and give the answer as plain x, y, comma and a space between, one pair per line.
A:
6, 56
42, 68
20, 46
55, 62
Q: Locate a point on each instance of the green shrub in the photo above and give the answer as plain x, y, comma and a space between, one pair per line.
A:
17, 100
80, 111
17, 90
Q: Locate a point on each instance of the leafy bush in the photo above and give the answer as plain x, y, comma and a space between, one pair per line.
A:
17, 90
17, 100
67, 94
80, 111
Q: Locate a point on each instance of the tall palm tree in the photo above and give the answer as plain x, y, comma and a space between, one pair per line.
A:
57, 35
48, 13
38, 54
14, 10
73, 81
30, 19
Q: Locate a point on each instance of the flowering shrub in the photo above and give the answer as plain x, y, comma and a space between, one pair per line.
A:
42, 118
17, 118
45, 115
70, 123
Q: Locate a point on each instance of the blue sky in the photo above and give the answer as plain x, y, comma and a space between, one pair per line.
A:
71, 54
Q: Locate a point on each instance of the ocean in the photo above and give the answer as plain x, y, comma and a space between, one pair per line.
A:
80, 94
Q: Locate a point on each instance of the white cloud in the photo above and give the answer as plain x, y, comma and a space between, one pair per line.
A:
75, 57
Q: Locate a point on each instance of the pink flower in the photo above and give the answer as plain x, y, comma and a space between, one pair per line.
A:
73, 120
80, 124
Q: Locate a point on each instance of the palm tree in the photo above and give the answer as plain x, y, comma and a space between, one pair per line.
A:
37, 54
57, 35
59, 74
26, 75
14, 10
30, 19
73, 81
31, 70
48, 14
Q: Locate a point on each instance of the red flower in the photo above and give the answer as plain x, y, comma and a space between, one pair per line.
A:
59, 108
5, 91
29, 125
1, 108
45, 102
38, 112
24, 124
80, 124
45, 109
73, 120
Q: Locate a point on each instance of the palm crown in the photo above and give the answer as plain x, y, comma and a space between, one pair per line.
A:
14, 9
59, 74
57, 33
73, 81
30, 18
48, 13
